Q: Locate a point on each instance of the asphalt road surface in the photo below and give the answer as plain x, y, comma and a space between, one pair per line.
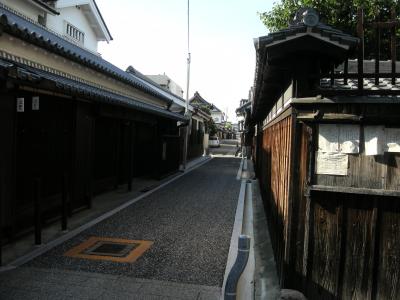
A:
190, 223
227, 148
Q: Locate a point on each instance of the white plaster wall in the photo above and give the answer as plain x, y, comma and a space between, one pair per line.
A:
74, 16
24, 7
175, 89
217, 117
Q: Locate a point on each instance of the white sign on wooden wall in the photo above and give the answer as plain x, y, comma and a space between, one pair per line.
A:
392, 140
339, 138
349, 138
328, 139
374, 140
330, 163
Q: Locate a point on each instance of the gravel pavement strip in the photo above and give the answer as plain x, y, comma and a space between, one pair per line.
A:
190, 222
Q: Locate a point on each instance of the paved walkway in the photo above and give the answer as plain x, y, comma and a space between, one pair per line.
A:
190, 222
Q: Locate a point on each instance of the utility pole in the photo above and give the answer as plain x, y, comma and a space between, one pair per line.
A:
185, 146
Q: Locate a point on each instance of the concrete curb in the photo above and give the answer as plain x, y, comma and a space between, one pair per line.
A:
237, 230
239, 173
70, 234
243, 225
266, 282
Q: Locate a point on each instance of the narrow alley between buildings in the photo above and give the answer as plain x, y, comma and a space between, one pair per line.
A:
178, 236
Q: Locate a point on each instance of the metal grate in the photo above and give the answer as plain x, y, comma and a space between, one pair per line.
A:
110, 249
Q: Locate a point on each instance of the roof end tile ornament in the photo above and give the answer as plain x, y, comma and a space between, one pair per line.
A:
307, 16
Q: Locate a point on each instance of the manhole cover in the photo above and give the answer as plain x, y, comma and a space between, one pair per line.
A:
112, 249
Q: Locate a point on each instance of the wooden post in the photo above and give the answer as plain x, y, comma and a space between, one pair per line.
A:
346, 70
130, 156
64, 204
118, 155
332, 71
360, 33
375, 226
377, 52
309, 217
308, 247
342, 226
293, 200
393, 45
2, 201
37, 210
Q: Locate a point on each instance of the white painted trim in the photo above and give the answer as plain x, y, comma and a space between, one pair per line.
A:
70, 3
313, 34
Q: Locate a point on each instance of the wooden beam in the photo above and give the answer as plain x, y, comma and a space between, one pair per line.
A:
360, 33
386, 25
353, 190
328, 117
377, 54
393, 46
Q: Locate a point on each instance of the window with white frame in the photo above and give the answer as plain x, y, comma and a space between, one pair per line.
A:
74, 33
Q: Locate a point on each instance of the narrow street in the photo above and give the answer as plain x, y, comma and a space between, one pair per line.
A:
226, 148
187, 225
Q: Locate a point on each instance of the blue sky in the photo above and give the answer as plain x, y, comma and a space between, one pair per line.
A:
152, 37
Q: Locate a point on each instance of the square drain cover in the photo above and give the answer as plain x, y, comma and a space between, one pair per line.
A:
110, 249
117, 250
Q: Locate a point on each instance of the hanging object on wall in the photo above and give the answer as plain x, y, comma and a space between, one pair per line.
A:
339, 138
331, 163
392, 140
20, 105
374, 137
35, 103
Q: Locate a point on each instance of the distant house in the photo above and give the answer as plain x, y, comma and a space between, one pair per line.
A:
167, 83
243, 113
199, 114
217, 115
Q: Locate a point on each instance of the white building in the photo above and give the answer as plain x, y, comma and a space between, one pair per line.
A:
167, 83
78, 21
218, 115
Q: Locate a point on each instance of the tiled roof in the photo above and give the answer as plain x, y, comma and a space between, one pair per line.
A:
278, 51
244, 107
197, 96
320, 29
35, 34
179, 100
72, 87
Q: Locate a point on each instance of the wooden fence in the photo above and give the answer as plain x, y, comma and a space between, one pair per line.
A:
328, 243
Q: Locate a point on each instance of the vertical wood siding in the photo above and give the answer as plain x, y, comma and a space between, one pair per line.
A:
275, 181
344, 246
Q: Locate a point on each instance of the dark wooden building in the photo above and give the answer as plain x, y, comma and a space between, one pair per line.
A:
72, 125
327, 155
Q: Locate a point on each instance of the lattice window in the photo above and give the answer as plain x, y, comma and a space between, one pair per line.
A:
74, 33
